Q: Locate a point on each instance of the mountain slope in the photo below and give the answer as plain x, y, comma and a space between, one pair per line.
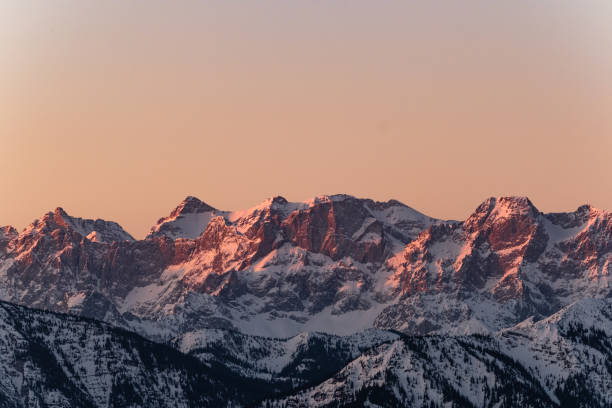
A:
60, 360
335, 264
188, 282
570, 351
293, 302
53, 359
506, 262
564, 360
299, 360
188, 220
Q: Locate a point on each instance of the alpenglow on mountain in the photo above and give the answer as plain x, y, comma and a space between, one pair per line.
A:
336, 301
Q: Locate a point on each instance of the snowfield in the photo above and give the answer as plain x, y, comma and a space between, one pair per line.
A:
329, 302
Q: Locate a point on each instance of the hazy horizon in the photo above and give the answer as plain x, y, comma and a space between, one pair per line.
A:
118, 110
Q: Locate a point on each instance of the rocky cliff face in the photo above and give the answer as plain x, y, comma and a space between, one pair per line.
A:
334, 263
318, 253
506, 262
509, 306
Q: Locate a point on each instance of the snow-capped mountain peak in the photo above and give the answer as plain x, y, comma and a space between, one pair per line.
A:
498, 209
188, 220
335, 263
96, 230
191, 205
511, 306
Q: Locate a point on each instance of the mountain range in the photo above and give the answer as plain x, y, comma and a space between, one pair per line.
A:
336, 301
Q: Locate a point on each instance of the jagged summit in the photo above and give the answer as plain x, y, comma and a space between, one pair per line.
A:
97, 230
508, 205
521, 207
275, 202
590, 211
188, 220
324, 198
335, 254
582, 215
494, 210
537, 284
279, 200
191, 205
191, 217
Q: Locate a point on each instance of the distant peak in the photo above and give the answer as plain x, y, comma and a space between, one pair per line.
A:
276, 200
508, 200
591, 212
188, 220
61, 213
191, 205
105, 231
510, 203
191, 199
589, 209
340, 197
322, 199
494, 208
279, 200
58, 217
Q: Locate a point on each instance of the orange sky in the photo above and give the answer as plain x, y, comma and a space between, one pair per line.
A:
118, 109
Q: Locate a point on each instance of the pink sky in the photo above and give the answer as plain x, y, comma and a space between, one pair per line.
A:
119, 110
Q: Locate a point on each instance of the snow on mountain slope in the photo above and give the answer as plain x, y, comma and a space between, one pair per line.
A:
57, 257
289, 267
427, 371
94, 230
336, 264
288, 291
188, 220
285, 261
218, 285
506, 262
299, 360
66, 361
191, 217
569, 351
563, 360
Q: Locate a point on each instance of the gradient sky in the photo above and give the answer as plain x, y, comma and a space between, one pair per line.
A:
119, 109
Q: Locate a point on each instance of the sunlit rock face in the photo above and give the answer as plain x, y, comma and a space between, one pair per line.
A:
335, 264
291, 303
506, 262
